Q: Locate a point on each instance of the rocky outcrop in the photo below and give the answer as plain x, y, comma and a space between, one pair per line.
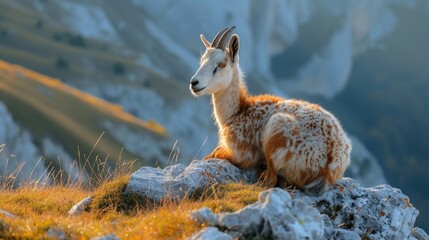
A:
378, 212
274, 216
177, 181
346, 211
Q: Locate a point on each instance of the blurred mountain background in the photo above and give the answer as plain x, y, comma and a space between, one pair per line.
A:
86, 80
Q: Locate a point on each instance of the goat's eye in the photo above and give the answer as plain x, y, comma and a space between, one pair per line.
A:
222, 65
214, 71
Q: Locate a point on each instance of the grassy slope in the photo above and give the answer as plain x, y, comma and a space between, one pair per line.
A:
39, 210
47, 106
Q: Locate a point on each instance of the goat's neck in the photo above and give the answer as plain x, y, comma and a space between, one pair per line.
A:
226, 103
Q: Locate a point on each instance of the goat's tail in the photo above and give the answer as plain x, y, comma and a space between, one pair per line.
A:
316, 187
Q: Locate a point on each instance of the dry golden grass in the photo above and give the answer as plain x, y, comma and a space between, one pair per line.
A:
39, 210
42, 208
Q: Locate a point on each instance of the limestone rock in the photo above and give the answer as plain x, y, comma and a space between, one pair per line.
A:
81, 206
274, 216
210, 233
106, 237
204, 215
345, 211
380, 212
344, 234
56, 233
177, 181
419, 234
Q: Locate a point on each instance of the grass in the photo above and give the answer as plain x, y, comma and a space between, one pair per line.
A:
43, 209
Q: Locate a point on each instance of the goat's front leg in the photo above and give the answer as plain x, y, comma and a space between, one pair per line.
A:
221, 153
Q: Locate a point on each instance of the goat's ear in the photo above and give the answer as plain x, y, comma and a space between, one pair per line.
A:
204, 40
234, 45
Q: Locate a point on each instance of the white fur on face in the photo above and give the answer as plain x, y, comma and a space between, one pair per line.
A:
207, 81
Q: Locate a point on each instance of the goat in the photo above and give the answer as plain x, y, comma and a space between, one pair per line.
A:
296, 141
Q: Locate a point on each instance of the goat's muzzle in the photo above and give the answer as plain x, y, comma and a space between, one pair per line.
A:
194, 82
193, 86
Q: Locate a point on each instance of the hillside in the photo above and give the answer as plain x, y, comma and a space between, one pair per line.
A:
49, 109
106, 69
46, 215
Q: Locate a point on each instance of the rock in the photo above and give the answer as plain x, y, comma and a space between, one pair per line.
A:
210, 233
379, 212
81, 206
345, 211
343, 234
419, 234
7, 214
107, 237
243, 223
56, 233
204, 215
178, 181
274, 216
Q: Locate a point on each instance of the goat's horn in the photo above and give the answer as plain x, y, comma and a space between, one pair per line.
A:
224, 38
218, 36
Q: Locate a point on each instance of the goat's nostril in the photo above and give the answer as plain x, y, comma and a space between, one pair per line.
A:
194, 82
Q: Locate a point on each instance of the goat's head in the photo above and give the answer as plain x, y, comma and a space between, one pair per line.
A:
217, 64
